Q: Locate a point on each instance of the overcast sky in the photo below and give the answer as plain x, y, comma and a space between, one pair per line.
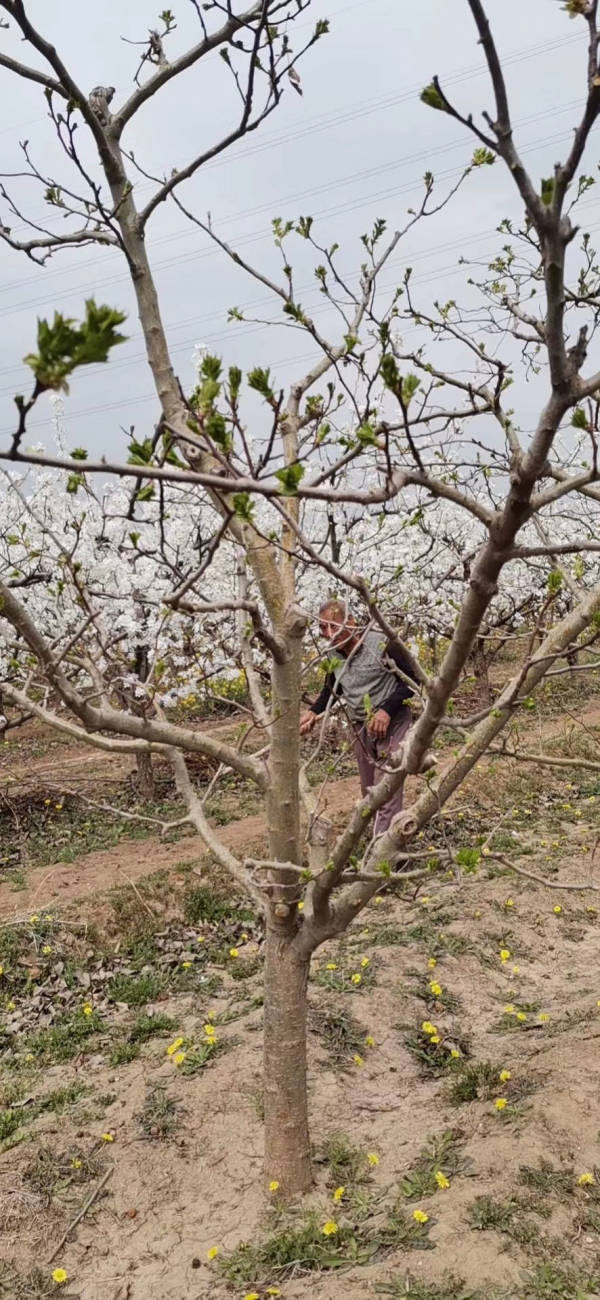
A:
354, 147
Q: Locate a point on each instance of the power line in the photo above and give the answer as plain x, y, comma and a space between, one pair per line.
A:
200, 253
272, 204
364, 109
268, 299
252, 329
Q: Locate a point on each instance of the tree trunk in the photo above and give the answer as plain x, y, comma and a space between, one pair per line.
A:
283, 796
144, 781
481, 673
287, 1142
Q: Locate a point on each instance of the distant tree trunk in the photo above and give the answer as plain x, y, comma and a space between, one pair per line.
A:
480, 666
287, 1142
145, 784
144, 780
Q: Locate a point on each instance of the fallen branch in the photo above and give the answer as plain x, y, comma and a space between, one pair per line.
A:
541, 880
82, 1212
121, 812
545, 759
136, 891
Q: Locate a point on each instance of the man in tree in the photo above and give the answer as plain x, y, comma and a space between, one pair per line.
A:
370, 673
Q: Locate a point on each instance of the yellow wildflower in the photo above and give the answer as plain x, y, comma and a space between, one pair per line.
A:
428, 1028
504, 954
1, 970
379, 899
356, 978
436, 989
432, 963
300, 906
373, 1158
441, 1180
174, 1047
586, 1180
33, 920
521, 1016
515, 970
369, 1041
10, 1006
210, 1015
107, 1137
244, 938
58, 807
60, 1276
233, 952
358, 1060
274, 1185
212, 1253
47, 802
557, 909
454, 1053
331, 965
339, 1192
543, 1017
509, 1009
435, 1038
75, 1163
509, 902
252, 1295
329, 1228
200, 938
504, 1076
420, 1216
364, 962
46, 950
87, 1009
425, 899
272, 1290
500, 1103
186, 965
209, 1030
179, 1058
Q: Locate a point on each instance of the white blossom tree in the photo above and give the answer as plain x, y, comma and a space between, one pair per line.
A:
284, 505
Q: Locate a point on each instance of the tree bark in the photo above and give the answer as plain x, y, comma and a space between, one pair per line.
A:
480, 664
144, 780
287, 1142
283, 795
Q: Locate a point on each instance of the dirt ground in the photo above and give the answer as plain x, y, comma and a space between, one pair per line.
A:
515, 1215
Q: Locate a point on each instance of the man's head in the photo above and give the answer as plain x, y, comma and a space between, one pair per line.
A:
337, 624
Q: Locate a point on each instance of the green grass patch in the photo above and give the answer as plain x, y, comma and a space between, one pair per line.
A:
449, 1288
440, 1157
475, 1081
212, 905
67, 1038
143, 1029
160, 1114
434, 1058
340, 1033
320, 1243
53, 1173
549, 1282
347, 1164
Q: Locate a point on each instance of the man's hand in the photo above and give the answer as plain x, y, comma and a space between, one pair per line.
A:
307, 722
378, 725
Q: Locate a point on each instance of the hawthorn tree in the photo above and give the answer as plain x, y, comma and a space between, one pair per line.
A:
374, 431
